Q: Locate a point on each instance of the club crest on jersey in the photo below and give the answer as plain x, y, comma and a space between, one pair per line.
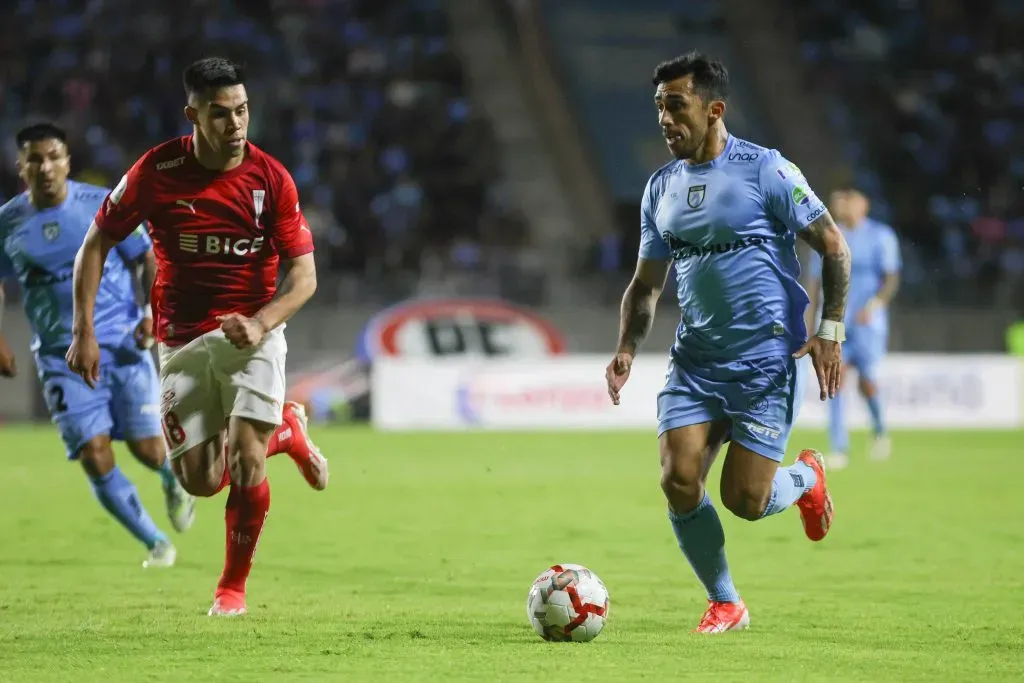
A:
257, 203
695, 196
51, 231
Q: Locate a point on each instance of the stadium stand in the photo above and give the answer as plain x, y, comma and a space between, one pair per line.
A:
364, 101
932, 92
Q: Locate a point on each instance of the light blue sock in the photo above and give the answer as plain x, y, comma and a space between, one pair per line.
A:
837, 434
702, 540
167, 478
788, 485
875, 406
119, 497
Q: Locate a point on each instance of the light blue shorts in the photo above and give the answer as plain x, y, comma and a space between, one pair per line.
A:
124, 404
864, 350
761, 398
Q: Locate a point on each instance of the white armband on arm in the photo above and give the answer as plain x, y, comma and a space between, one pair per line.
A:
830, 330
147, 311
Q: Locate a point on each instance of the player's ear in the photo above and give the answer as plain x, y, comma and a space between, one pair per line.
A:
717, 110
192, 114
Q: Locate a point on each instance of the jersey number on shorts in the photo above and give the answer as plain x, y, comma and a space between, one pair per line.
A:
57, 396
174, 433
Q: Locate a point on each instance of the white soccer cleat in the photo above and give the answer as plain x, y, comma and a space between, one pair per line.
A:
162, 555
881, 448
181, 507
837, 461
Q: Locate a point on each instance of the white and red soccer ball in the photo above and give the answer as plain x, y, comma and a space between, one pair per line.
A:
567, 602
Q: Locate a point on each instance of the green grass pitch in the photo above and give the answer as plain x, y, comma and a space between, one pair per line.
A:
415, 564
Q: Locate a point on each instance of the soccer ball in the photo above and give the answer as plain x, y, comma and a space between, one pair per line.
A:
567, 602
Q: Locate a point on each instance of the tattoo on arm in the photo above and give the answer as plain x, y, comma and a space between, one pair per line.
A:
826, 238
636, 315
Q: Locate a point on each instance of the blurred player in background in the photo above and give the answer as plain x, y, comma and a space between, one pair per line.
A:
874, 279
41, 230
727, 213
223, 216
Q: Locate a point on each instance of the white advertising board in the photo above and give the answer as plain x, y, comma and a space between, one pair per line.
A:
564, 393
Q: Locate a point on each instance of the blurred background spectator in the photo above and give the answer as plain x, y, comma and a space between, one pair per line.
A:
363, 100
500, 147
931, 93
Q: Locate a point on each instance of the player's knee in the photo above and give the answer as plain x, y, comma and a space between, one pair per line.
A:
247, 450
200, 469
868, 389
745, 501
151, 451
683, 490
97, 457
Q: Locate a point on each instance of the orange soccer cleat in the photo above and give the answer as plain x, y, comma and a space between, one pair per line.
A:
301, 449
816, 509
228, 603
724, 616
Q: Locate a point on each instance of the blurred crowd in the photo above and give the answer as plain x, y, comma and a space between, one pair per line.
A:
932, 94
363, 100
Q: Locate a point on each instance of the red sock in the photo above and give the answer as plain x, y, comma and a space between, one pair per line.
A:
244, 515
280, 440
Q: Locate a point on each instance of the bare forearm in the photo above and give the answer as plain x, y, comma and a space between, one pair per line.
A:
296, 288
835, 285
88, 271
826, 238
890, 286
147, 276
636, 315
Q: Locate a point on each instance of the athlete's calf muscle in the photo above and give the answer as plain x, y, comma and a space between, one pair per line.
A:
247, 449
746, 482
200, 469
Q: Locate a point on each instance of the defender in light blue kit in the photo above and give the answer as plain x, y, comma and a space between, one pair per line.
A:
874, 279
41, 231
726, 214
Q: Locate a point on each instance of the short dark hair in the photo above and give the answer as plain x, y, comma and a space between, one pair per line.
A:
38, 132
710, 77
210, 73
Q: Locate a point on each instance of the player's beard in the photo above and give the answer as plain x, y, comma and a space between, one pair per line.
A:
690, 147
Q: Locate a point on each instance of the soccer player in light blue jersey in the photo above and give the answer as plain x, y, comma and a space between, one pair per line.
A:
874, 279
726, 214
41, 231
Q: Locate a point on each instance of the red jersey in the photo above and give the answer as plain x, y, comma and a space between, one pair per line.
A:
218, 236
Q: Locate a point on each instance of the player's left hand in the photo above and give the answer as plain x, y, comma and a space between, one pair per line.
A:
144, 333
8, 368
827, 358
242, 332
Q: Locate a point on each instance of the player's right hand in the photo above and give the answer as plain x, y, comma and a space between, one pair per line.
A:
8, 368
83, 358
617, 373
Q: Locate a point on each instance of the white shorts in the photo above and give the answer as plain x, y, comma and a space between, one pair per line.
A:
207, 380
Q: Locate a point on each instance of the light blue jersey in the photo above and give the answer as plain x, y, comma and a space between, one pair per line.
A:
730, 227
875, 253
38, 247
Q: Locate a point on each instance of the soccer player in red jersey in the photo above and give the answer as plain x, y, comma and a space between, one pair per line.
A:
223, 216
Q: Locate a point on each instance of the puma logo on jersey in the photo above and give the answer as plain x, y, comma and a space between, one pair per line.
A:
189, 204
